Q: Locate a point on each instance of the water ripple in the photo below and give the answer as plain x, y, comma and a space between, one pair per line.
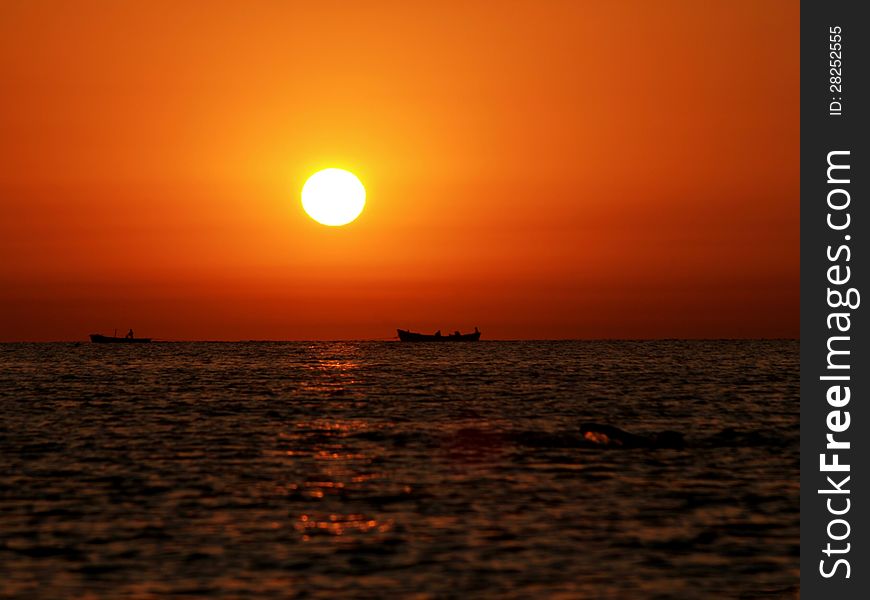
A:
512, 469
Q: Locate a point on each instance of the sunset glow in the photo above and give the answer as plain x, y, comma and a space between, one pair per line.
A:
419, 299
551, 170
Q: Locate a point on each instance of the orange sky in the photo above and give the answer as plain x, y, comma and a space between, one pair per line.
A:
538, 169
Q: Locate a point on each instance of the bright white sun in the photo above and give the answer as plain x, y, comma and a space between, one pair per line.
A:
333, 197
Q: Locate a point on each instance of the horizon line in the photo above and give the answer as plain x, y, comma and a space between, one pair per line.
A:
395, 339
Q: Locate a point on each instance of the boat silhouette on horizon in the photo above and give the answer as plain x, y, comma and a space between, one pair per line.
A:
410, 336
97, 338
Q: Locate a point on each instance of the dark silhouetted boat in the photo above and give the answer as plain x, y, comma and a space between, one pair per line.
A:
114, 339
410, 336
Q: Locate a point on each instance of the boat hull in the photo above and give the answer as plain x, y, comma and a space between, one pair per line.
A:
410, 336
108, 339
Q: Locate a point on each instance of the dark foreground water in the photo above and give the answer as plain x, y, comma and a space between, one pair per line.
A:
382, 470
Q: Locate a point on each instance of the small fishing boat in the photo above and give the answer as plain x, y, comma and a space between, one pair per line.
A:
410, 336
114, 339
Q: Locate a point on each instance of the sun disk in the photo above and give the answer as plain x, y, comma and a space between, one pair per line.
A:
333, 197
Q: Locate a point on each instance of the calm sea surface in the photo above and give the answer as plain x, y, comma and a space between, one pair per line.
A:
381, 470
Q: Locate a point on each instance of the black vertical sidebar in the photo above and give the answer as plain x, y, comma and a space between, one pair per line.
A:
835, 225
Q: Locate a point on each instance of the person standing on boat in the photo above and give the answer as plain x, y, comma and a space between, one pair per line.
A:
130, 334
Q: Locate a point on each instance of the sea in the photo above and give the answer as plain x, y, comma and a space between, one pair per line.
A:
498, 469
